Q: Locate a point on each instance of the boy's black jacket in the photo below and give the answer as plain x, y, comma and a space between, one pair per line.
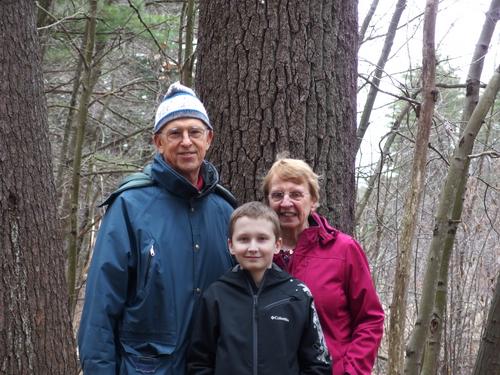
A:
271, 330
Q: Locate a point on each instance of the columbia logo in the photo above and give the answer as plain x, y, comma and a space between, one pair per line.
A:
274, 317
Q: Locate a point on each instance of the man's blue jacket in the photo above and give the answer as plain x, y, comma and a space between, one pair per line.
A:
159, 246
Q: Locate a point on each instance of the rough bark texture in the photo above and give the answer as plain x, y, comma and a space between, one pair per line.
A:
35, 325
281, 77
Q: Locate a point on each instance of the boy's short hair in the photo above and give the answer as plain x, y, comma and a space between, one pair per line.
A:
255, 210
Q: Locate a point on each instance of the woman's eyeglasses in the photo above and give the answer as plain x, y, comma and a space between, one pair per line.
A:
278, 196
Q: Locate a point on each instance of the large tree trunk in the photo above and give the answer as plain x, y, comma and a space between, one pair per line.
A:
35, 325
281, 77
412, 199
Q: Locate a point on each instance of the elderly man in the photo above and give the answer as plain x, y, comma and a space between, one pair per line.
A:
162, 241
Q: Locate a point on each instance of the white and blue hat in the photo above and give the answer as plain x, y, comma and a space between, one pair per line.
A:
179, 101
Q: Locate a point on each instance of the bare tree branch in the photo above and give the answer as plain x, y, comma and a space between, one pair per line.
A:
162, 51
492, 154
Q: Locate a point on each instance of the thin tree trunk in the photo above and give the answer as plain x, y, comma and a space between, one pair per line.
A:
43, 7
90, 194
433, 343
187, 64
488, 358
373, 250
65, 143
380, 165
63, 154
473, 186
42, 20
379, 69
180, 35
77, 159
476, 67
444, 230
412, 200
366, 21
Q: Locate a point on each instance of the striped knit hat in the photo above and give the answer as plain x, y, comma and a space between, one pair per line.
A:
179, 101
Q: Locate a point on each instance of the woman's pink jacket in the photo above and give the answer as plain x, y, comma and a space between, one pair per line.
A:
335, 268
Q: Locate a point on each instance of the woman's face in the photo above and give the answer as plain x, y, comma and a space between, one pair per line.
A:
292, 202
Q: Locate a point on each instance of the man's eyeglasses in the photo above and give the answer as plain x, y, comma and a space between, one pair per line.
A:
177, 134
278, 196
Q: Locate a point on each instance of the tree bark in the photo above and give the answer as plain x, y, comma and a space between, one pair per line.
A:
35, 325
281, 77
413, 196
187, 63
476, 66
488, 360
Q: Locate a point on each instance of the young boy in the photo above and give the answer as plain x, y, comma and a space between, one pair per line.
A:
257, 319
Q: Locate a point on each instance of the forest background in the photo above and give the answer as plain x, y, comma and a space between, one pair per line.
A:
422, 198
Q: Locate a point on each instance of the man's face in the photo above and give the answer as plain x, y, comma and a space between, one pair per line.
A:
184, 143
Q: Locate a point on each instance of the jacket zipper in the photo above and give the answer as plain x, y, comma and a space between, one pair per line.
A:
255, 323
281, 301
148, 264
255, 331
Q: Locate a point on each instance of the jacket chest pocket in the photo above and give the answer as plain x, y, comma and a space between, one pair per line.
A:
281, 311
146, 268
278, 303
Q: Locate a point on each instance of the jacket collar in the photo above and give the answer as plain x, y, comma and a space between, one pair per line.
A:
171, 180
319, 231
273, 275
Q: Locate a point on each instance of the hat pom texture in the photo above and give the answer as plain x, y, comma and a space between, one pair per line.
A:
180, 101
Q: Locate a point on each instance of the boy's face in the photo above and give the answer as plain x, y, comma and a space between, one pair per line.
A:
253, 244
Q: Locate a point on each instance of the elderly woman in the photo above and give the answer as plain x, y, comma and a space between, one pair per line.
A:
331, 263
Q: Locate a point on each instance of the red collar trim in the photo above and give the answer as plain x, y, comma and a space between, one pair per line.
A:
200, 182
